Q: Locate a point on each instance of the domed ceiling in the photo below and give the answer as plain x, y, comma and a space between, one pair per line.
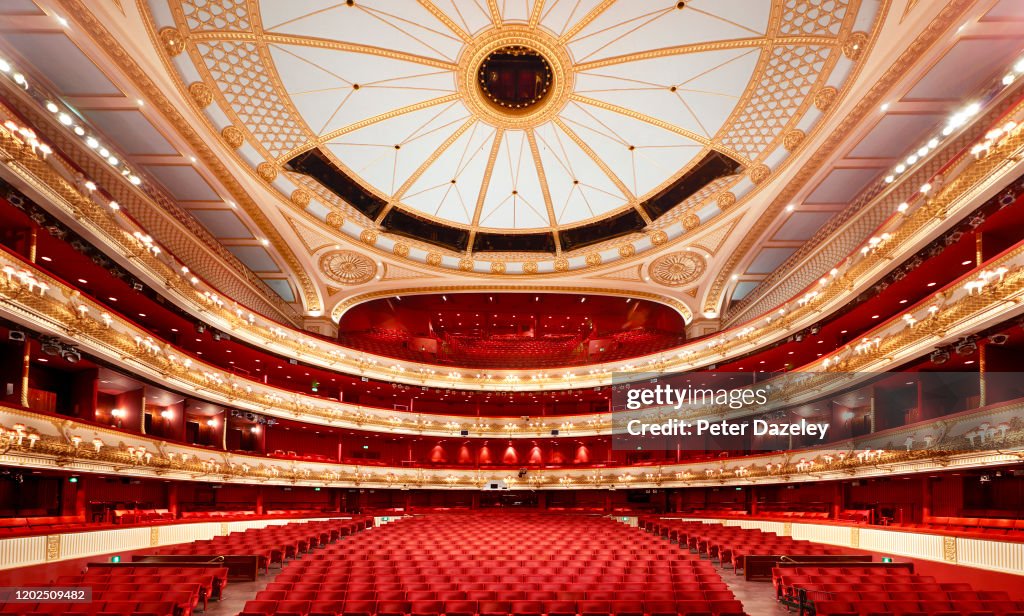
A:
519, 126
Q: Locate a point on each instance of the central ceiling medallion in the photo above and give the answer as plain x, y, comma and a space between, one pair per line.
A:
515, 77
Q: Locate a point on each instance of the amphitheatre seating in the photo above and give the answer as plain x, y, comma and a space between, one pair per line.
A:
498, 565
171, 589
273, 544
730, 545
879, 589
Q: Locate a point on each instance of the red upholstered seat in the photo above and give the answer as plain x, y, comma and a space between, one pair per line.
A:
527, 608
392, 608
460, 608
326, 608
426, 608
493, 608
359, 608
560, 607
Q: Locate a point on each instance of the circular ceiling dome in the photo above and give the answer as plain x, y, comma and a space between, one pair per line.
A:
450, 121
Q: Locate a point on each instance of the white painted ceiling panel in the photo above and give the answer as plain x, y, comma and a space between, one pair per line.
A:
183, 182
840, 186
70, 71
131, 131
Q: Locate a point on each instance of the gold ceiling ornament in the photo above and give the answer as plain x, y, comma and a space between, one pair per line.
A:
677, 268
793, 139
561, 264
232, 136
201, 94
172, 40
335, 219
659, 237
627, 250
691, 221
301, 197
434, 258
536, 42
348, 267
466, 264
725, 200
530, 267
267, 170
825, 97
759, 173
368, 236
400, 249
497, 267
593, 259
854, 46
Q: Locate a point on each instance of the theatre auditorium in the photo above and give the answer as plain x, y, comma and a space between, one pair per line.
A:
511, 308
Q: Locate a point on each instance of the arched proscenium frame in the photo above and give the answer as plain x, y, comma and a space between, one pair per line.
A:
345, 305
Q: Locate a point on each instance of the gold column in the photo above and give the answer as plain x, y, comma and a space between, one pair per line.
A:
33, 243
26, 360
979, 256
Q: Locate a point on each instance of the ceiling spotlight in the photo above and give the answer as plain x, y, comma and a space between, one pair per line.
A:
51, 346
967, 346
998, 339
939, 356
71, 355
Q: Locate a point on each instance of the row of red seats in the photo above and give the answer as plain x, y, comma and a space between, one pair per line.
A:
701, 593
493, 608
923, 608
495, 563
38, 525
730, 545
211, 581
166, 590
525, 571
995, 529
136, 516
273, 544
786, 580
96, 608
893, 590
190, 588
